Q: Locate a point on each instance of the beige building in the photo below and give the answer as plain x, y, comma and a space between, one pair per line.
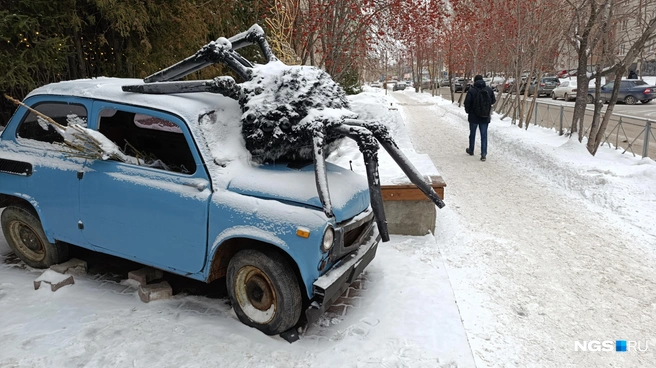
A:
630, 18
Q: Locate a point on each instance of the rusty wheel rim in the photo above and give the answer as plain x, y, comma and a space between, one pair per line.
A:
255, 294
27, 241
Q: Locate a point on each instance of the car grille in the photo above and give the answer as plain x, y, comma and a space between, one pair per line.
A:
352, 235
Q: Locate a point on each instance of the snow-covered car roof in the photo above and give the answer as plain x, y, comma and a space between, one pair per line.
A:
103, 88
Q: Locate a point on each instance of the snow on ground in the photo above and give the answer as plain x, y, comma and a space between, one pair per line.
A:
406, 318
543, 245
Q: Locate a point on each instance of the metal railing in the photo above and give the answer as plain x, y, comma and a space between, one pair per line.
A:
628, 133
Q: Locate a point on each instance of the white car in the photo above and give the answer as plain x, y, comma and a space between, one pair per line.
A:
566, 90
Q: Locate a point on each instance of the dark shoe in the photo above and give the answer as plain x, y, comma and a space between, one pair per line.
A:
468, 152
482, 158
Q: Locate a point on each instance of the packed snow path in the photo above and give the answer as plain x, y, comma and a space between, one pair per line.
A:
533, 268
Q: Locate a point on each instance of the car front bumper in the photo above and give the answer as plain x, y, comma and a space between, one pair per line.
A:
329, 287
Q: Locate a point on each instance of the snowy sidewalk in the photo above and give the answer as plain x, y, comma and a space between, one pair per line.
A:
534, 266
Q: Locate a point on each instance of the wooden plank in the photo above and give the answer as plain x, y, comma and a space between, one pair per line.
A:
410, 192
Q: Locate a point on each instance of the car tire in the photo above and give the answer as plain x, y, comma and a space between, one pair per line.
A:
24, 233
553, 96
566, 97
630, 100
590, 99
264, 291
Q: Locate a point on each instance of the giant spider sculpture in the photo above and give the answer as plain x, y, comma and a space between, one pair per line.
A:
289, 113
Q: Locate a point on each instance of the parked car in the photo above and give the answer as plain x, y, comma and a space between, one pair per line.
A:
399, 86
177, 191
508, 85
445, 82
376, 84
631, 91
566, 90
494, 82
544, 87
461, 84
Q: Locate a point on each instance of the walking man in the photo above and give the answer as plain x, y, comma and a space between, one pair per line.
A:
478, 105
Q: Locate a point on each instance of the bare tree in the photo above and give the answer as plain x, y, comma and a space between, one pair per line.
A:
594, 34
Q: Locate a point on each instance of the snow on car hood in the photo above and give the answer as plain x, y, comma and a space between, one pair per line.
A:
349, 191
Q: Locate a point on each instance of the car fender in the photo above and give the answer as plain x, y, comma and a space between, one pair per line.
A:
224, 248
5, 199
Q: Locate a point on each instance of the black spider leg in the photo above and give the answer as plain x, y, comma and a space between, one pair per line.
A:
255, 34
222, 85
218, 51
321, 178
382, 135
369, 148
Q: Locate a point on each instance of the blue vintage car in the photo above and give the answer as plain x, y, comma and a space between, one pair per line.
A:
175, 189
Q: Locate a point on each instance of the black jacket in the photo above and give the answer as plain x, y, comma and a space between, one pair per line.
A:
469, 100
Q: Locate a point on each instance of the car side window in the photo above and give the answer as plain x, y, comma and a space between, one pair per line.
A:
624, 84
35, 128
564, 84
154, 141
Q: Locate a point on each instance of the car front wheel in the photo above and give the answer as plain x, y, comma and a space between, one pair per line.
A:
264, 291
590, 99
553, 96
24, 233
630, 100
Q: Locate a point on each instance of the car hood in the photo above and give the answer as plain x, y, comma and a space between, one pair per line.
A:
349, 192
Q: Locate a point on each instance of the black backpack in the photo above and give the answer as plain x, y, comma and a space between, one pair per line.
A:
482, 106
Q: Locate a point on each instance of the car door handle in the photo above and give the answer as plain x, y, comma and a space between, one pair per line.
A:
201, 186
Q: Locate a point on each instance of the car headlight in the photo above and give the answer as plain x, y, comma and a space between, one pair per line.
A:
328, 239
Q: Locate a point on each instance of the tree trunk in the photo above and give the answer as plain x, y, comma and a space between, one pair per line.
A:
81, 64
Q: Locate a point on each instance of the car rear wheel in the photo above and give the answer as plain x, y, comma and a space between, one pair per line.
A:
264, 291
645, 101
24, 233
630, 100
566, 97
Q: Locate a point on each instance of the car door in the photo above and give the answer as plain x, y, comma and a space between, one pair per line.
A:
625, 90
154, 207
51, 182
606, 90
560, 90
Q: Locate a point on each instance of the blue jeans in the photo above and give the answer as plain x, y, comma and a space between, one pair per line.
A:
472, 137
